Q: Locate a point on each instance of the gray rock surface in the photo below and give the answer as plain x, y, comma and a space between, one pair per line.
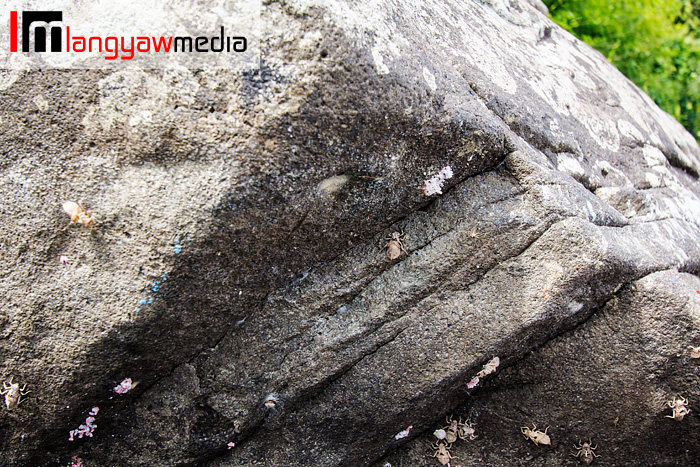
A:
608, 380
249, 211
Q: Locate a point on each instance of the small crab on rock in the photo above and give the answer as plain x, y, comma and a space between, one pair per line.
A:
465, 430
489, 368
13, 394
451, 430
536, 436
679, 408
455, 429
442, 452
395, 246
585, 452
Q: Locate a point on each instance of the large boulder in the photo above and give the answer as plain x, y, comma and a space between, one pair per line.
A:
236, 270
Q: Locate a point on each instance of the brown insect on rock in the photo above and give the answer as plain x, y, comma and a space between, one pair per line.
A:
77, 214
442, 453
13, 393
679, 408
395, 246
537, 437
585, 452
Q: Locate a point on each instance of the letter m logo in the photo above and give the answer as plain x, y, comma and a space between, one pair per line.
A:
29, 17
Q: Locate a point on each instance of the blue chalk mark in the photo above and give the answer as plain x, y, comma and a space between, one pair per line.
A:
177, 249
138, 310
150, 300
155, 288
142, 302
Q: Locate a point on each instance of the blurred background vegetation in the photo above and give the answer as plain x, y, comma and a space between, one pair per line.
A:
655, 43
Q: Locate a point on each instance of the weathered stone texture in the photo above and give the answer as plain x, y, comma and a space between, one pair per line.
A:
566, 244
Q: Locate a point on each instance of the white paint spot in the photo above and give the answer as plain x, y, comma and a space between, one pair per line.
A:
379, 64
652, 179
554, 126
429, 79
590, 211
41, 103
124, 387
604, 132
140, 118
331, 185
569, 165
628, 130
653, 156
574, 306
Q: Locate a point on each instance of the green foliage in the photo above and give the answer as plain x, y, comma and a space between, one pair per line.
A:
655, 43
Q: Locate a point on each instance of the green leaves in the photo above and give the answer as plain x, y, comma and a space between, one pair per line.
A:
654, 43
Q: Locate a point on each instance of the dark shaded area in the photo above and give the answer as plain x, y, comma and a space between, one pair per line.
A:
271, 228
